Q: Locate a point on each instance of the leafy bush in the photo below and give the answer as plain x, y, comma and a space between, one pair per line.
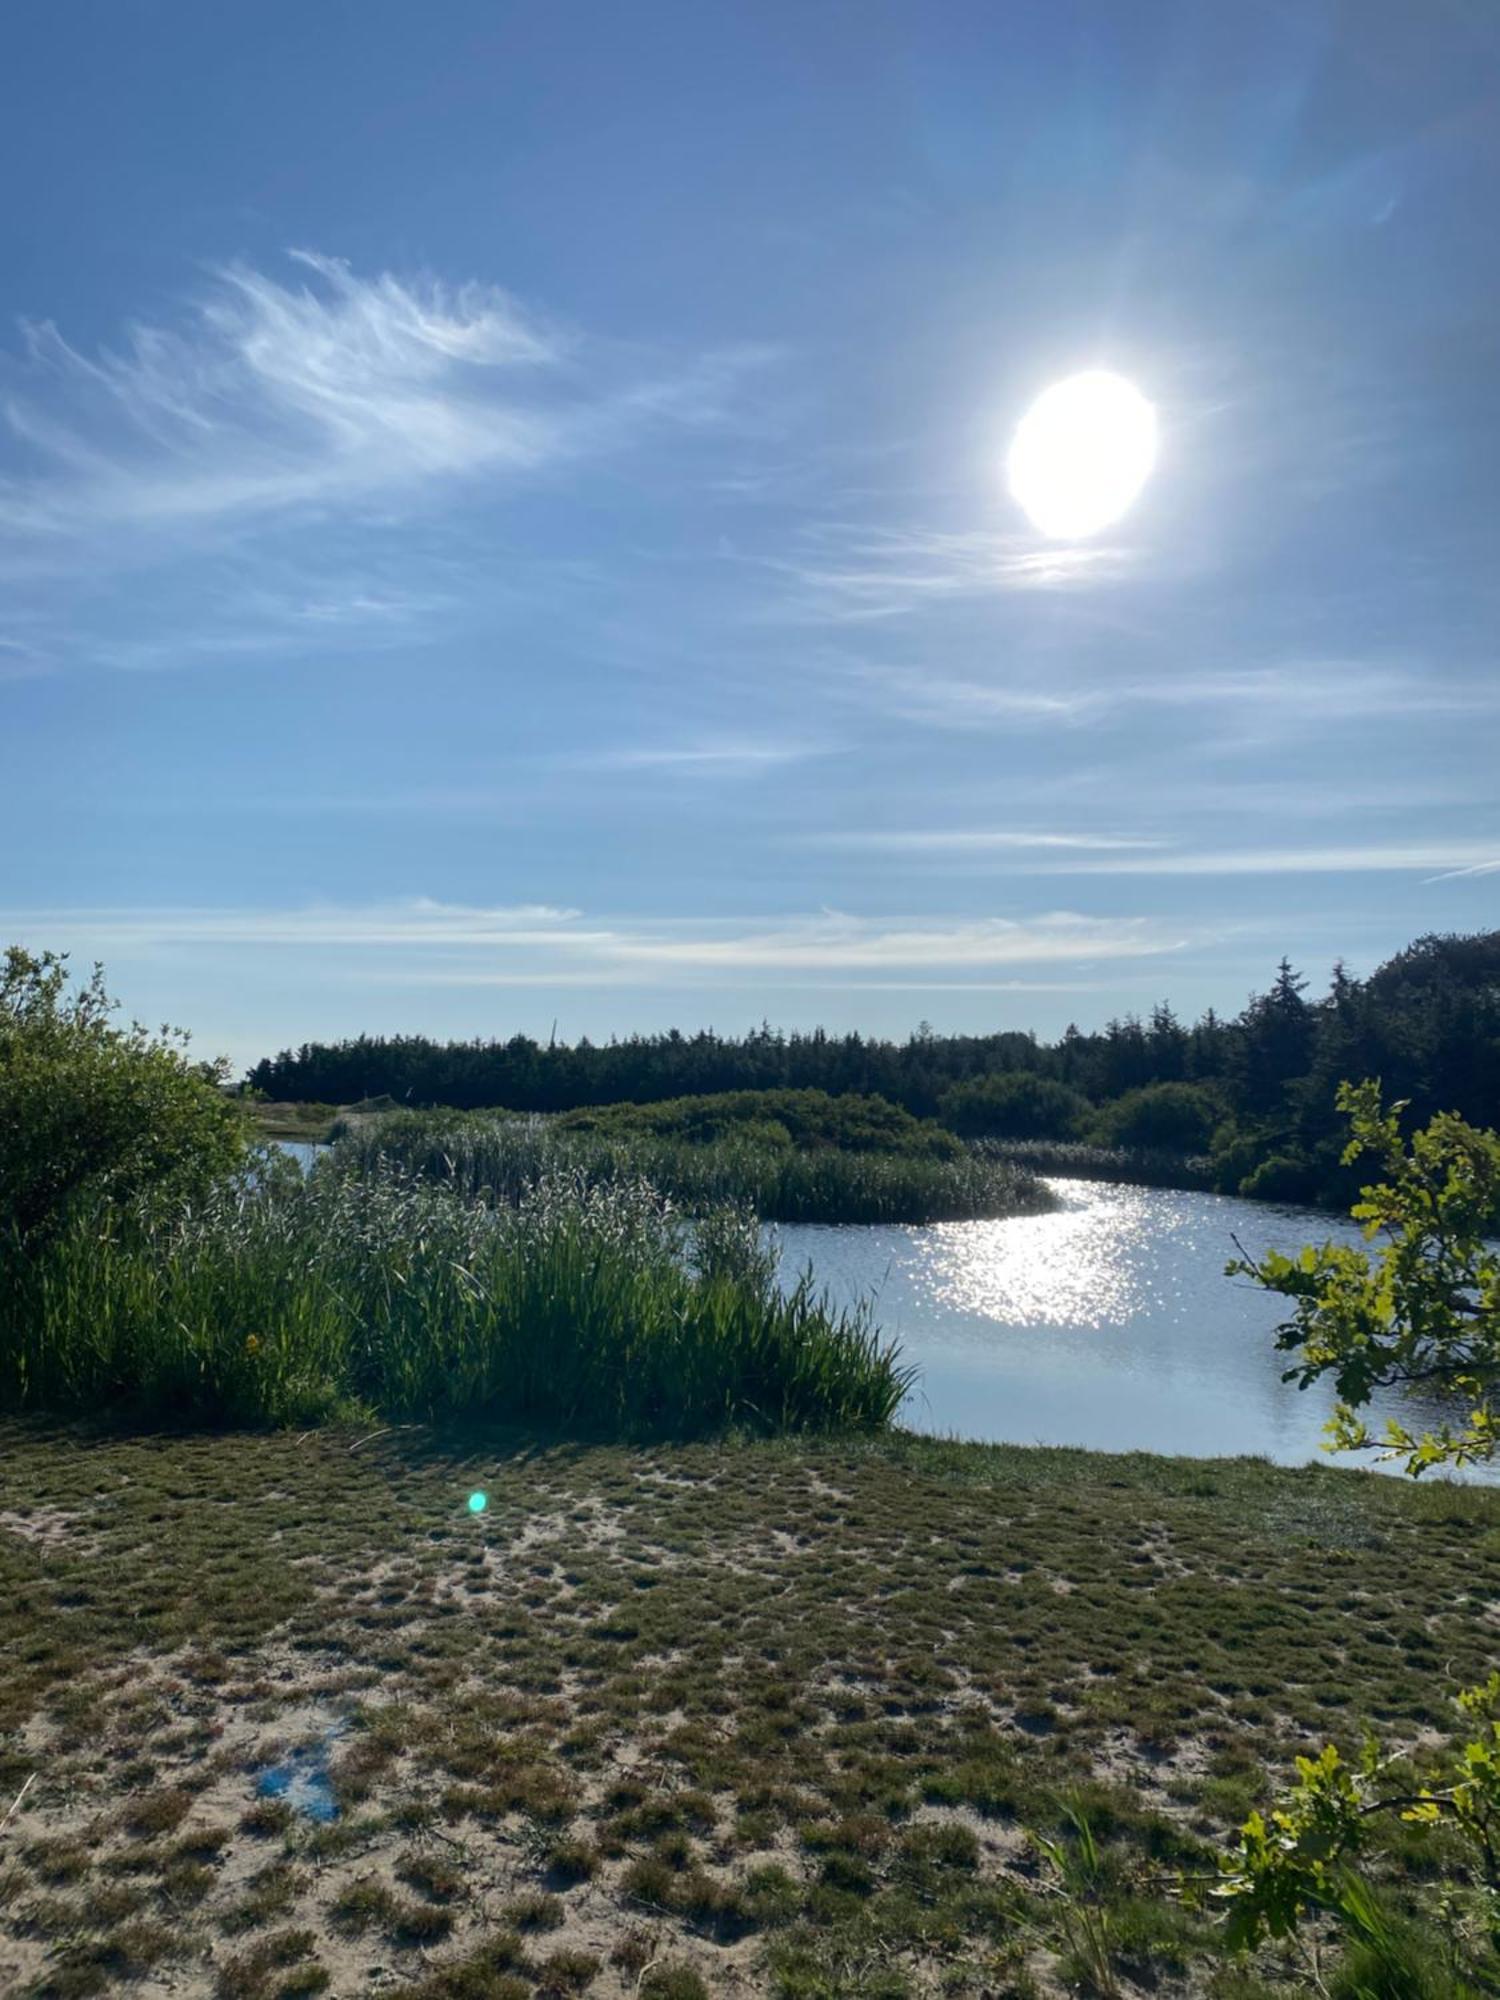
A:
1283, 1177
1168, 1117
1420, 1313
589, 1307
1015, 1105
92, 1112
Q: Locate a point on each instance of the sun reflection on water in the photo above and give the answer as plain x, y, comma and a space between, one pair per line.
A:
1094, 1263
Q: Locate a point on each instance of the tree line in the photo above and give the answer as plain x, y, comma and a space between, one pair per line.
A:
1256, 1090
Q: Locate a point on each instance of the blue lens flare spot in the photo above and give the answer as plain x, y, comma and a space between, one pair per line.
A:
478, 1502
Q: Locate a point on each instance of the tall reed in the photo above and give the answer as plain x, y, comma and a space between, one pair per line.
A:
500, 1158
595, 1306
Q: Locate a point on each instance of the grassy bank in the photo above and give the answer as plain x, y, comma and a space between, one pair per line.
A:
291, 1301
791, 1718
754, 1161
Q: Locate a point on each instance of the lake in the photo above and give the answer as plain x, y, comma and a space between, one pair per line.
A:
1108, 1323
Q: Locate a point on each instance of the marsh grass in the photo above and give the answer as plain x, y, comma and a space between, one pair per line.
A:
770, 1704
931, 1178
1135, 1166
589, 1305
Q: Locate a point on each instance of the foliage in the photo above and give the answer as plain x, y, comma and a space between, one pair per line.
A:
1281, 1177
806, 1119
1421, 1313
501, 1158
594, 1307
1165, 1117
1299, 1858
90, 1111
1427, 1022
1014, 1105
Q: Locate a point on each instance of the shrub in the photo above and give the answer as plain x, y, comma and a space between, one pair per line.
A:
1172, 1117
92, 1112
1283, 1177
1015, 1105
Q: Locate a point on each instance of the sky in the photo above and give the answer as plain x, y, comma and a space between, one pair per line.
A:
504, 516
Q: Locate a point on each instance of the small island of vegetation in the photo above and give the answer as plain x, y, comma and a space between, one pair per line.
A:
786, 1155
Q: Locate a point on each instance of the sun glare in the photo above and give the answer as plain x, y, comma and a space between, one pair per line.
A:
1082, 453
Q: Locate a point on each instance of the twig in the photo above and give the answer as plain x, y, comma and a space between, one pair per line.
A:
384, 1432
15, 1802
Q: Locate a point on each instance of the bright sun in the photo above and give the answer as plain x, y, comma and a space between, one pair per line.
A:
1082, 453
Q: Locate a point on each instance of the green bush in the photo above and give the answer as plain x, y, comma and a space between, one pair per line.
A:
1015, 1105
1283, 1177
93, 1112
1165, 1117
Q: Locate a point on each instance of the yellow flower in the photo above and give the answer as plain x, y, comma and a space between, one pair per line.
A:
252, 1345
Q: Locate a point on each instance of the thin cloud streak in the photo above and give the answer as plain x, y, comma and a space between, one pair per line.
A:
705, 760
550, 943
1277, 698
958, 840
1459, 858
1090, 854
1082, 854
859, 574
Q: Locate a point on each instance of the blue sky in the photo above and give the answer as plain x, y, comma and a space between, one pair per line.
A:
503, 513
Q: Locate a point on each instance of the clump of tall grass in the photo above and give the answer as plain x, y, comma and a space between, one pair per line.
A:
1076, 1160
500, 1158
595, 1306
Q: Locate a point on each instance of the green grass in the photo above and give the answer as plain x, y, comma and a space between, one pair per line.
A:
702, 1161
819, 1717
591, 1307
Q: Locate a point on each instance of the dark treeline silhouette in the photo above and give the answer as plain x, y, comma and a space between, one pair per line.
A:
1427, 1023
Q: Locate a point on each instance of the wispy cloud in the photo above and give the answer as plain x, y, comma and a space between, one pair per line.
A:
1273, 698
850, 574
331, 390
718, 759
1491, 867
1455, 857
977, 840
540, 945
1098, 854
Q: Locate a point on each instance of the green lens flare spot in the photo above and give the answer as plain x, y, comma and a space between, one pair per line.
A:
478, 1502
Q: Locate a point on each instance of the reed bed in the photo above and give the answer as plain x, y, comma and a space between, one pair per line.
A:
1076, 1160
499, 1159
594, 1307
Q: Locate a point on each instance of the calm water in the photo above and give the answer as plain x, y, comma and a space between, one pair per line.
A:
1108, 1323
